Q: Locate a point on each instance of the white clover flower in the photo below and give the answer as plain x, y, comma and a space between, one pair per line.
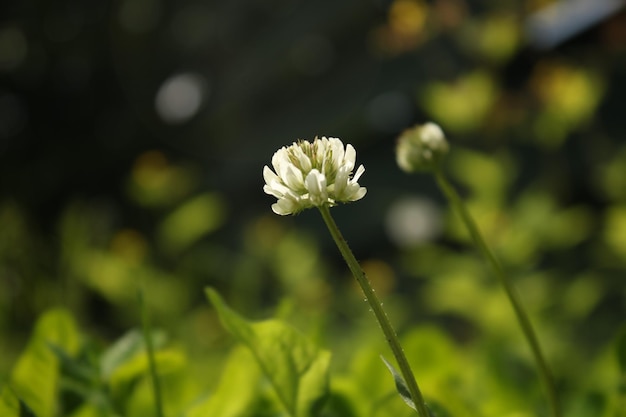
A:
313, 174
421, 148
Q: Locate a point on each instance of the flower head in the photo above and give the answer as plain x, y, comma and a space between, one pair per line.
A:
312, 174
421, 148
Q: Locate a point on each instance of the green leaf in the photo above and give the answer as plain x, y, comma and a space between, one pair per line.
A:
125, 350
238, 390
436, 409
127, 360
25, 410
296, 368
36, 374
9, 404
192, 220
93, 410
76, 369
401, 387
167, 361
621, 350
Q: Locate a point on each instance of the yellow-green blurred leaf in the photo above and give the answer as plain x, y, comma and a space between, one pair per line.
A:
192, 220
570, 96
126, 349
615, 229
167, 361
155, 182
296, 368
9, 404
238, 390
36, 374
613, 176
461, 106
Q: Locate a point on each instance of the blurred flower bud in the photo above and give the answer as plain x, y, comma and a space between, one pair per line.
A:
421, 148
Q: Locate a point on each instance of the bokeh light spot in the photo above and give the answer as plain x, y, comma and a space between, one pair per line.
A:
179, 98
410, 221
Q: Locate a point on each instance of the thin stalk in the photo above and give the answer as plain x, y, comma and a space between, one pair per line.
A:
156, 385
509, 289
379, 312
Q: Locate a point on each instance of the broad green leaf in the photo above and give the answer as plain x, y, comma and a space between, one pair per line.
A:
9, 404
238, 390
36, 373
296, 368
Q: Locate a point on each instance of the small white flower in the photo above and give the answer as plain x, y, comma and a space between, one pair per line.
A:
312, 174
421, 148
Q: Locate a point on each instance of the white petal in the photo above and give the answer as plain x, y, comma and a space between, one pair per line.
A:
283, 207
359, 194
303, 159
336, 148
341, 182
269, 176
292, 176
320, 151
360, 170
350, 156
276, 189
316, 186
279, 158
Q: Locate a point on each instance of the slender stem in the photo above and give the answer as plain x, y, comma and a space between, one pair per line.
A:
509, 289
156, 386
379, 312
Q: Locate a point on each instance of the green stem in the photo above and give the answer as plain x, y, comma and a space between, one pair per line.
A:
156, 386
381, 316
509, 289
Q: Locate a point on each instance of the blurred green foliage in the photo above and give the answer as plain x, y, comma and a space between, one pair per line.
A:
100, 194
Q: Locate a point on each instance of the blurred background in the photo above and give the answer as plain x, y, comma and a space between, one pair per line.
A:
133, 136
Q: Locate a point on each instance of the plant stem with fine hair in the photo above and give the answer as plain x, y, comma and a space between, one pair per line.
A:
509, 289
379, 312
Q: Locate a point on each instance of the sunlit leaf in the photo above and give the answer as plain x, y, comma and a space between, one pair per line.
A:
238, 390
192, 220
615, 229
166, 361
127, 359
296, 368
9, 404
570, 98
461, 106
155, 181
496, 37
93, 410
621, 352
36, 374
124, 350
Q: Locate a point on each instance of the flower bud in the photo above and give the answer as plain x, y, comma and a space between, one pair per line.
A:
421, 148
